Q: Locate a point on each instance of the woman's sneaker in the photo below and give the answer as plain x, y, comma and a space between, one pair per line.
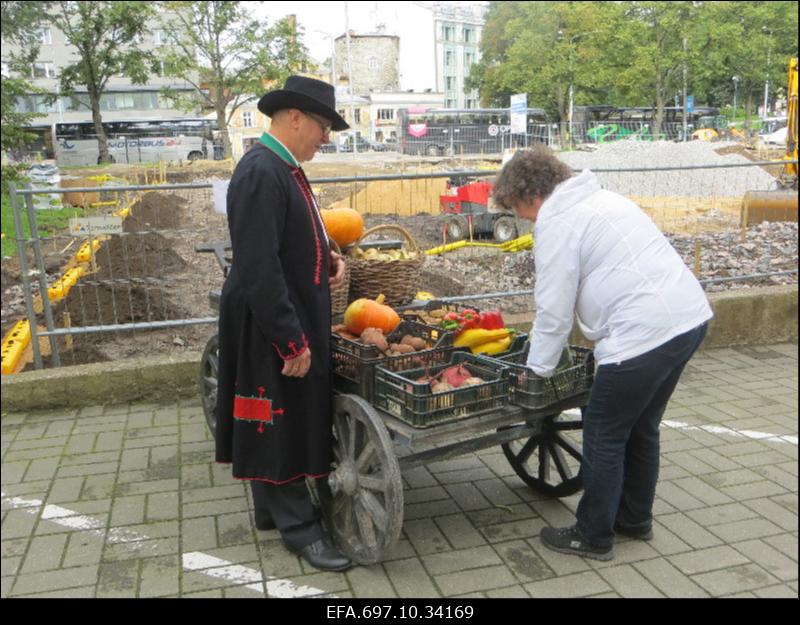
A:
567, 540
639, 533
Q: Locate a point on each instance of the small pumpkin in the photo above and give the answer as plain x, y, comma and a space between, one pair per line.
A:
370, 313
344, 225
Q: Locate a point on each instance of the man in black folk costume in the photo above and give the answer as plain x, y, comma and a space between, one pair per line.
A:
274, 401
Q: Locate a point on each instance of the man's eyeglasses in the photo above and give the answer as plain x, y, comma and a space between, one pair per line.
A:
323, 123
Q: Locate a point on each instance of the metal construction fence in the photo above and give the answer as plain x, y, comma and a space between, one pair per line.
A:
126, 279
496, 138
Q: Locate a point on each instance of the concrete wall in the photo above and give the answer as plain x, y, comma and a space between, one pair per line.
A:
759, 316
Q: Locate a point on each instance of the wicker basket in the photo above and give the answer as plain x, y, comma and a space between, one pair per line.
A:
340, 297
398, 280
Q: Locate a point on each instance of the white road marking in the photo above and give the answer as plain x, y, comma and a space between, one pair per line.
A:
195, 561
716, 429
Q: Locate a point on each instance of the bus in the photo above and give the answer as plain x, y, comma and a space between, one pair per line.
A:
604, 123
136, 141
435, 132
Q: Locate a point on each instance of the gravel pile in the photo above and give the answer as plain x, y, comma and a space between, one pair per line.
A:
700, 183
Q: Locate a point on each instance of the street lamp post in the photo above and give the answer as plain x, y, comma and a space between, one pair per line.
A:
735, 80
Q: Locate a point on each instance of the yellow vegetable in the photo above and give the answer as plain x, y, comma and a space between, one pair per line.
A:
478, 336
493, 347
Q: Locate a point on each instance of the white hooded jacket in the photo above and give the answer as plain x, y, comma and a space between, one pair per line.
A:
598, 255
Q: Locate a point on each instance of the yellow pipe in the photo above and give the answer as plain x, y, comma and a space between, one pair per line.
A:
14, 345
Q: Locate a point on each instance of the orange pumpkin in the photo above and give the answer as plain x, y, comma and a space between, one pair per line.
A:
370, 313
344, 225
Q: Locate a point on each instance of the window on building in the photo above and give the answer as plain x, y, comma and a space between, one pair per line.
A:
44, 70
448, 32
247, 119
469, 35
471, 103
386, 114
163, 38
45, 36
372, 62
469, 59
450, 83
357, 113
450, 103
449, 58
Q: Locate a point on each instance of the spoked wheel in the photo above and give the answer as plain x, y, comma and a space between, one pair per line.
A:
209, 373
549, 461
362, 500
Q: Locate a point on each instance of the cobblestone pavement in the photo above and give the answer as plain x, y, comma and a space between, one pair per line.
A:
126, 501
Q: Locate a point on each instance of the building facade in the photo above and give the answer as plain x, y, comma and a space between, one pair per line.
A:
375, 62
457, 30
121, 100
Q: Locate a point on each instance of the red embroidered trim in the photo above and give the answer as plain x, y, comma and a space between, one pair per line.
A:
255, 409
263, 479
293, 347
311, 206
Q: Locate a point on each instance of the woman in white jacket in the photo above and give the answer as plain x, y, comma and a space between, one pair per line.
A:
602, 259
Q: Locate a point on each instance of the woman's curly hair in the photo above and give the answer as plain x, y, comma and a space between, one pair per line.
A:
530, 173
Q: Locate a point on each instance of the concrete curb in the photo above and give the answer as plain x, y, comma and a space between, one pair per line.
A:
759, 316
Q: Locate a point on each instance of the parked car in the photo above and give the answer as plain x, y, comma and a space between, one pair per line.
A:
362, 145
328, 148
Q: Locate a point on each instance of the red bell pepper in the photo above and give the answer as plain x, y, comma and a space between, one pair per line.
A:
469, 318
491, 320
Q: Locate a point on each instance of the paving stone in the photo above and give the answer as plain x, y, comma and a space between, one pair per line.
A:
163, 506
118, 579
690, 532
578, 585
746, 577
160, 577
425, 536
669, 580
744, 530
699, 489
753, 490
459, 531
497, 492
55, 581
420, 495
409, 579
83, 550
704, 560
473, 580
128, 510
769, 558
462, 559
45, 553
467, 496
370, 581
726, 513
628, 582
776, 592
523, 561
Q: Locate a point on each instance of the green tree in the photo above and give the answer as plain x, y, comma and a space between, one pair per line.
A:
750, 40
228, 56
21, 22
105, 36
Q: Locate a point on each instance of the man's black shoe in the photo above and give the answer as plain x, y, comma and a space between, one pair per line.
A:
639, 533
567, 540
324, 556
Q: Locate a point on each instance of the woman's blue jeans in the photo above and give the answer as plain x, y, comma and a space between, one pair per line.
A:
621, 439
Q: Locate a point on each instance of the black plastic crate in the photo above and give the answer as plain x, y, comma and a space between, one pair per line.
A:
533, 392
517, 344
400, 395
354, 363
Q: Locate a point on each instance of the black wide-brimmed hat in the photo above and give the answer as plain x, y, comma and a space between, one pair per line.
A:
306, 94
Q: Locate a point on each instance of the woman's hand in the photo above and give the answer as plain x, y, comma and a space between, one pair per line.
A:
336, 279
298, 367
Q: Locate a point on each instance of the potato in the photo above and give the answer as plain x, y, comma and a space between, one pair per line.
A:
374, 336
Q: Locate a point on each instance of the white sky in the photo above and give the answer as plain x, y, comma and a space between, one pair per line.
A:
408, 20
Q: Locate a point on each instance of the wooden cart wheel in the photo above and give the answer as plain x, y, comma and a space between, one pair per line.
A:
209, 372
362, 500
549, 461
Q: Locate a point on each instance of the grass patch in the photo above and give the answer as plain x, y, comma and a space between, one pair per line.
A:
48, 223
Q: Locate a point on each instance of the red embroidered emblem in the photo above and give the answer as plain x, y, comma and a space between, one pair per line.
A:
255, 409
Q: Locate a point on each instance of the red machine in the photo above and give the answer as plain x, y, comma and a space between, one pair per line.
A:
466, 203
